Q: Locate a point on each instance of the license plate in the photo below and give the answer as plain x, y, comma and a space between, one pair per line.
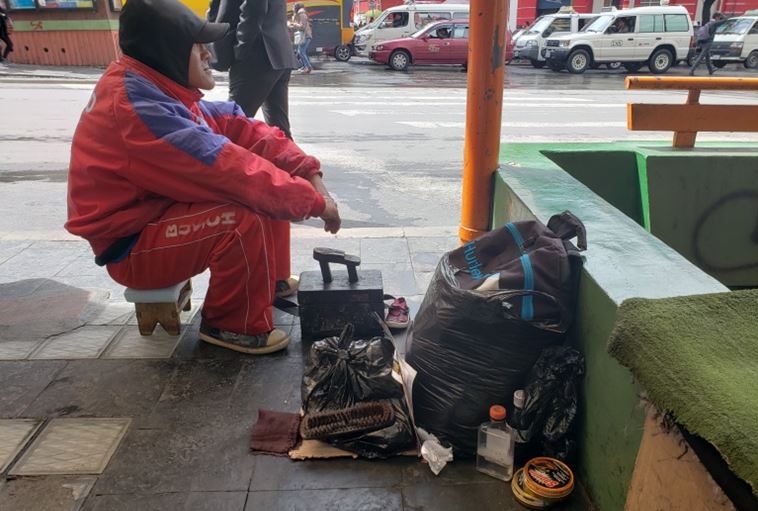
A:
715, 57
548, 53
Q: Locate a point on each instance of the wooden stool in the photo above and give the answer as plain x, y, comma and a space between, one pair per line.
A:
162, 306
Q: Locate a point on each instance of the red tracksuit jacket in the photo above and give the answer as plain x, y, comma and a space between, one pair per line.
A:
144, 142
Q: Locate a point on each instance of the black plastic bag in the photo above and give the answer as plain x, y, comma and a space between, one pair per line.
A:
341, 372
473, 348
548, 419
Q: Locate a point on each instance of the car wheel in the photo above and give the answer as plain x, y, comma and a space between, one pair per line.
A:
613, 65
632, 67
399, 60
751, 62
555, 66
539, 64
660, 61
578, 61
342, 53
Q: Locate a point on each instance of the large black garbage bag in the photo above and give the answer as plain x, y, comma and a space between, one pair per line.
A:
473, 348
341, 372
547, 421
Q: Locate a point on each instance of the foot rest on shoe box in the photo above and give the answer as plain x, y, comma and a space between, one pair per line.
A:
162, 306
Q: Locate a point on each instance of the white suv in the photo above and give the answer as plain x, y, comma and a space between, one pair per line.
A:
531, 42
654, 36
736, 41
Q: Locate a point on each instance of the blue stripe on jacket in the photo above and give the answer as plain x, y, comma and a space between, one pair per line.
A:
171, 121
218, 109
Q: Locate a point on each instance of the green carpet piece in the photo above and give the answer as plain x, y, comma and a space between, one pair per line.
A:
697, 357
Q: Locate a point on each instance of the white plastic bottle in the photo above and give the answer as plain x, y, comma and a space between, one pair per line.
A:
494, 453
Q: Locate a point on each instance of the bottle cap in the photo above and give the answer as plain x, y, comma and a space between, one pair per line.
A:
497, 413
519, 398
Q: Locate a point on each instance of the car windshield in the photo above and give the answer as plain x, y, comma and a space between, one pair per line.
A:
378, 21
735, 26
600, 24
539, 25
421, 32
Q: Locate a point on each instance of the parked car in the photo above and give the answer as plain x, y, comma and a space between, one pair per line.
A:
531, 42
654, 36
402, 21
736, 41
443, 42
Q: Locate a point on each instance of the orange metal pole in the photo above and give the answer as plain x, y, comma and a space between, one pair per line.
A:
484, 104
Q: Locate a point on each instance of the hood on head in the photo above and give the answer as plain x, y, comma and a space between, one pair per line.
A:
161, 33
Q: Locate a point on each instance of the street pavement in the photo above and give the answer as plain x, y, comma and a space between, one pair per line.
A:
93, 416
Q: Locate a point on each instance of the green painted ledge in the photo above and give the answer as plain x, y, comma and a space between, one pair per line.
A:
622, 261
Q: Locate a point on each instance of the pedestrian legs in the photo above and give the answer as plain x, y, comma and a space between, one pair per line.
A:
254, 82
302, 52
705, 53
6, 38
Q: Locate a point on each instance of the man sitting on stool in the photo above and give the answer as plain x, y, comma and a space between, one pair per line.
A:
165, 185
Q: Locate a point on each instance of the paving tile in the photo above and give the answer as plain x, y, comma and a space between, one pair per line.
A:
494, 496
436, 244
12, 287
85, 342
398, 278
14, 433
17, 349
72, 446
131, 502
128, 343
384, 250
196, 391
425, 261
276, 474
363, 499
194, 501
82, 265
41, 259
423, 280
58, 493
457, 472
9, 248
103, 388
21, 382
109, 313
96, 282
212, 455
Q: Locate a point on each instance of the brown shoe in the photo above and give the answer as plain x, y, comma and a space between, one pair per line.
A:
260, 344
285, 288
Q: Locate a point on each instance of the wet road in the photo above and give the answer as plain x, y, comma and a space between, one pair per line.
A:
391, 143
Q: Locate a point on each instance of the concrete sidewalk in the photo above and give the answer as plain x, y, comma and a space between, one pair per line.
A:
95, 417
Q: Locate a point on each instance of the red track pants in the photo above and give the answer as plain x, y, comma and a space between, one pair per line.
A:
246, 253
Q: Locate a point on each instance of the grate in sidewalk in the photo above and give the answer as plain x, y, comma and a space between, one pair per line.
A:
72, 446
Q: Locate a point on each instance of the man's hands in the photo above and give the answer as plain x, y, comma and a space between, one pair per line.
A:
330, 216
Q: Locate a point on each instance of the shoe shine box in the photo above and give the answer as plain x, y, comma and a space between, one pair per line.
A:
330, 300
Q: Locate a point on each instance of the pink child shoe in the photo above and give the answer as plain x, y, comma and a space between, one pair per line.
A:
399, 315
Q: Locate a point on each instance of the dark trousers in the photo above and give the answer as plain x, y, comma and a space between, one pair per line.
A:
254, 84
6, 38
705, 52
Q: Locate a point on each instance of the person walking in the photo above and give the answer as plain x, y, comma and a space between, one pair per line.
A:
301, 23
705, 35
262, 61
164, 185
6, 28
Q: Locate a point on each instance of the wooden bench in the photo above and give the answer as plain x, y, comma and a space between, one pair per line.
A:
162, 306
685, 120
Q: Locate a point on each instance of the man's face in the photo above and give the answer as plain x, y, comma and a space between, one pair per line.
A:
200, 75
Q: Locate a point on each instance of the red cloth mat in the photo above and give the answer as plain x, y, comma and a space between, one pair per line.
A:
275, 433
